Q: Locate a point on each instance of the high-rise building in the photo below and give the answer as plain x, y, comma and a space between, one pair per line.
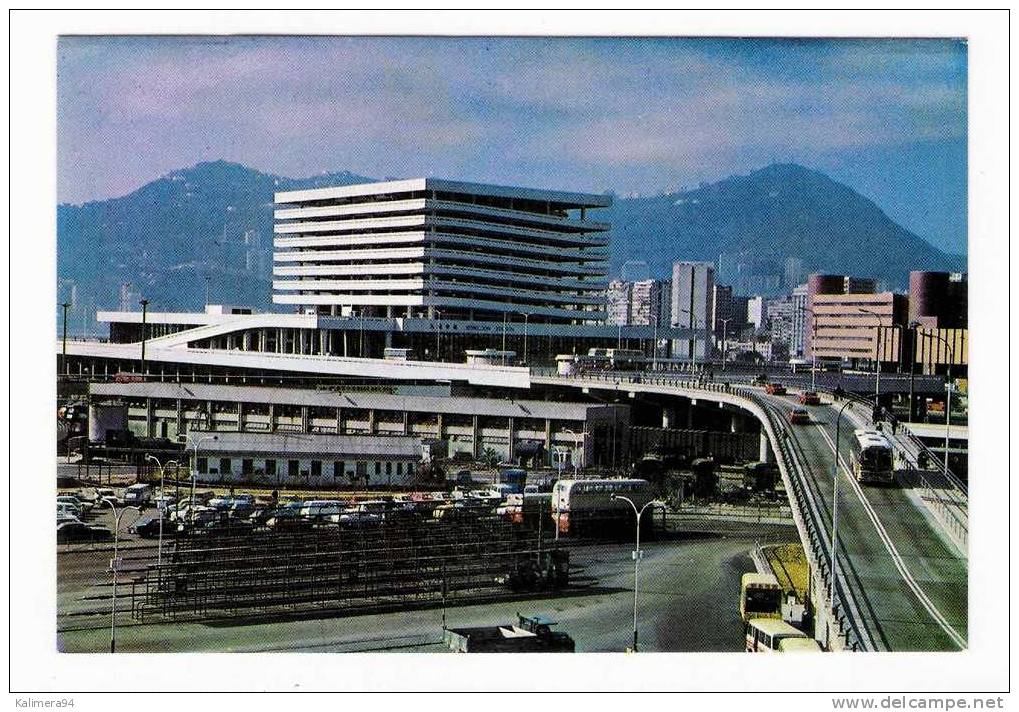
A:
801, 321
618, 302
852, 321
794, 271
651, 302
693, 288
427, 247
724, 309
755, 312
779, 318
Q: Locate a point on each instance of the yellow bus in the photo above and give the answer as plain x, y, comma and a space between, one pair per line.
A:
774, 635
760, 597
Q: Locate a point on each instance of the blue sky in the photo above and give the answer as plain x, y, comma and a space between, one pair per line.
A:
887, 117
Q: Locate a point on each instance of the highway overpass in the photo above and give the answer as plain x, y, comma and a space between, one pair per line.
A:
901, 558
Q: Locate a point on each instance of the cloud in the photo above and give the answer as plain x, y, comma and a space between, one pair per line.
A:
489, 108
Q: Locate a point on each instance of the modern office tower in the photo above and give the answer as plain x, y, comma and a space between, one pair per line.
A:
427, 247
755, 312
693, 288
794, 271
801, 321
651, 303
723, 307
618, 302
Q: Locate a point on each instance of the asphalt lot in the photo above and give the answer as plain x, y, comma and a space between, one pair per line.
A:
688, 602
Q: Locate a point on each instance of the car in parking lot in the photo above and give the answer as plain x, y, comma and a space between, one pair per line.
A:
775, 389
799, 416
810, 398
147, 527
75, 532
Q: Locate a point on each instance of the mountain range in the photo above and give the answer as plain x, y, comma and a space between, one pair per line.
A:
207, 231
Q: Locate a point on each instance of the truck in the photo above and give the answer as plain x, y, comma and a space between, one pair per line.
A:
530, 634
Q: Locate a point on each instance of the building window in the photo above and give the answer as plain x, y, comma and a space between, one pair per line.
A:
316, 468
338, 468
399, 469
224, 465
378, 469
203, 466
247, 467
292, 468
270, 467
389, 469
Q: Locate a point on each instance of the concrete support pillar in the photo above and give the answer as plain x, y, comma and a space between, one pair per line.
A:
344, 343
548, 439
439, 425
765, 454
210, 411
305, 419
246, 341
180, 416
339, 421
689, 416
511, 436
371, 421
150, 426
389, 339
272, 418
476, 436
240, 416
406, 423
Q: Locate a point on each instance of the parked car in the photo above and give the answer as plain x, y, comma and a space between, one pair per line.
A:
72, 532
108, 494
810, 398
147, 527
799, 416
775, 389
68, 509
138, 495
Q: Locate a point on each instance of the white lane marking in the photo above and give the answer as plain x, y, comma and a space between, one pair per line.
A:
900, 564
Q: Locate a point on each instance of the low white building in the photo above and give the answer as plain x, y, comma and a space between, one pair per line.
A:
306, 459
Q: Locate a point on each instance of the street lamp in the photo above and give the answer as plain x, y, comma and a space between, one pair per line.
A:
877, 358
161, 503
194, 470
114, 565
145, 311
948, 387
636, 557
63, 349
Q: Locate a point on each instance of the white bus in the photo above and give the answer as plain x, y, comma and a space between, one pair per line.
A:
872, 457
587, 506
774, 635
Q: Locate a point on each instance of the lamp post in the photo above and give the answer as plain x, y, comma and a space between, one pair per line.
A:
114, 565
636, 558
194, 469
161, 504
877, 358
948, 388
725, 338
145, 311
63, 348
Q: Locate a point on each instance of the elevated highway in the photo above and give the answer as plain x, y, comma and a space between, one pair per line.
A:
901, 566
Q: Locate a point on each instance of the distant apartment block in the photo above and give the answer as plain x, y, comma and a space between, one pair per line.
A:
651, 303
756, 314
850, 320
618, 302
427, 247
693, 288
801, 321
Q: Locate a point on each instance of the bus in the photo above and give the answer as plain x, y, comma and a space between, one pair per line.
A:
872, 457
774, 635
587, 506
760, 597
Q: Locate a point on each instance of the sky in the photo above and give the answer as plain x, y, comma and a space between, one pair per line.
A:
628, 115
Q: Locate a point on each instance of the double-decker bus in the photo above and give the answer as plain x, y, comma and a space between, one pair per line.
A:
587, 506
872, 457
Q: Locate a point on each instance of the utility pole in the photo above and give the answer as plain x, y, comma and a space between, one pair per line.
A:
63, 349
145, 311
